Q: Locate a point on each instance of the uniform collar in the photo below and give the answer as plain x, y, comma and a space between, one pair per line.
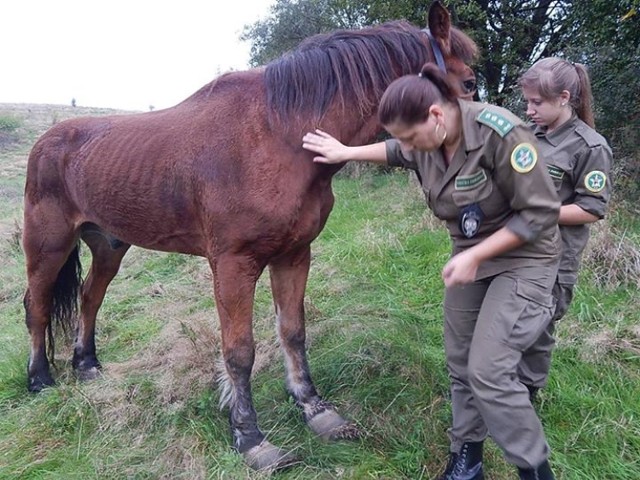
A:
471, 140
556, 137
470, 127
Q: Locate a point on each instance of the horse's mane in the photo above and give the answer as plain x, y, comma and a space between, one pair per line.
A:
463, 47
351, 66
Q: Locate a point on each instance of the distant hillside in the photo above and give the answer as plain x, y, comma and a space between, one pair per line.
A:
32, 120
39, 117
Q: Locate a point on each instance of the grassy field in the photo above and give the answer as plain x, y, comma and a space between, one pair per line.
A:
374, 341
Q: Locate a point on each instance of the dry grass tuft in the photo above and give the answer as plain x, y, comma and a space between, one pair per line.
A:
607, 341
15, 238
613, 257
184, 458
180, 361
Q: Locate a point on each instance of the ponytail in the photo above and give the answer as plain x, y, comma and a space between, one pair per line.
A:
434, 75
582, 104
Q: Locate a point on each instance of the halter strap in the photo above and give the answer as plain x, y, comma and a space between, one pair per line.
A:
437, 53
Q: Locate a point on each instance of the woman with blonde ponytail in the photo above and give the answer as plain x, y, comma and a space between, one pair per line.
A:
480, 173
558, 95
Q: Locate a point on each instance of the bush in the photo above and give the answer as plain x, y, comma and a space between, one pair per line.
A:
9, 124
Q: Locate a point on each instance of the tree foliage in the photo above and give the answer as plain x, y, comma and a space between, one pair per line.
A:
607, 40
511, 34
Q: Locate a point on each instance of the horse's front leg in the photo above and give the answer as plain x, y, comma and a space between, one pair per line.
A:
288, 283
235, 279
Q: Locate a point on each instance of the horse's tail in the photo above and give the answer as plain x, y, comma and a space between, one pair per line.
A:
66, 291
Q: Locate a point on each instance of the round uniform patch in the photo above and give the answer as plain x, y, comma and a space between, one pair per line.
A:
524, 157
595, 181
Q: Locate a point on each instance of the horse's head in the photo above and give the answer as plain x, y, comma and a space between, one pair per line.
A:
335, 80
452, 50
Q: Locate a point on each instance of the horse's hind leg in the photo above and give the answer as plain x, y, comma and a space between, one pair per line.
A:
235, 278
104, 267
288, 283
52, 264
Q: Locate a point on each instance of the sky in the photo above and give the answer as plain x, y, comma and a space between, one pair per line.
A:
125, 54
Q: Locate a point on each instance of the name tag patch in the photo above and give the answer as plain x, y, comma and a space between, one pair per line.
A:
467, 182
555, 172
524, 157
595, 181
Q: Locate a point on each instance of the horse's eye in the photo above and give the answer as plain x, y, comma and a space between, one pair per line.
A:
469, 85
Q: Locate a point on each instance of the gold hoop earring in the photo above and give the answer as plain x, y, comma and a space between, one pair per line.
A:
444, 137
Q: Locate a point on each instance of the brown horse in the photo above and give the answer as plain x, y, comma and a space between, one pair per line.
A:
221, 175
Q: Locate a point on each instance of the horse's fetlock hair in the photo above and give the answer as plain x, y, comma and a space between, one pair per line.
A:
225, 384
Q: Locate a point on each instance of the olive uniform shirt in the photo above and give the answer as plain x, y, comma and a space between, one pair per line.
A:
579, 161
494, 180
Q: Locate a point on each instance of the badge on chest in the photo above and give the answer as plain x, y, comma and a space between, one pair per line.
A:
470, 220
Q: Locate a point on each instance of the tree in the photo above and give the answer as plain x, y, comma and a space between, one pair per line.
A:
511, 35
290, 22
607, 40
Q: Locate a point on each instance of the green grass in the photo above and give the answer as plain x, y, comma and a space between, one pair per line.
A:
375, 349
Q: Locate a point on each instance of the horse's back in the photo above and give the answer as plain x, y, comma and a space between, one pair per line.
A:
169, 178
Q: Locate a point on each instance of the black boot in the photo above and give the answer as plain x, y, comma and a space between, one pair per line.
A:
466, 465
543, 472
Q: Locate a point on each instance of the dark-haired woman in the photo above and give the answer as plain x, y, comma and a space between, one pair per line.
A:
481, 173
558, 95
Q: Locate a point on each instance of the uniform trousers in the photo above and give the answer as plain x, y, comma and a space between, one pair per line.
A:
488, 325
536, 361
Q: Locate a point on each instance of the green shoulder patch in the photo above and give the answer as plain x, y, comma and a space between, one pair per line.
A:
496, 121
595, 181
524, 157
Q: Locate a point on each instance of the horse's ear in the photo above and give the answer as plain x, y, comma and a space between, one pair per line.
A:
439, 23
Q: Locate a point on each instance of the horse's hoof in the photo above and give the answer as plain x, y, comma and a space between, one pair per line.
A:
268, 457
87, 374
330, 426
38, 383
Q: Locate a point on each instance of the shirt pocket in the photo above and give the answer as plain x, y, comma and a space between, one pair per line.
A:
559, 168
557, 174
472, 188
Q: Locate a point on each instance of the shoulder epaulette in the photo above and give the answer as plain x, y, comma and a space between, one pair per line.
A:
590, 136
496, 121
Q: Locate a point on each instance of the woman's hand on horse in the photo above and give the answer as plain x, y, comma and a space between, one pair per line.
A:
329, 149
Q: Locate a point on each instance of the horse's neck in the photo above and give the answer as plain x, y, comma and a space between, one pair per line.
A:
351, 128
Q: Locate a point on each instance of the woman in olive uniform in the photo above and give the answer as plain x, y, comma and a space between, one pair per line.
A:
558, 95
480, 173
